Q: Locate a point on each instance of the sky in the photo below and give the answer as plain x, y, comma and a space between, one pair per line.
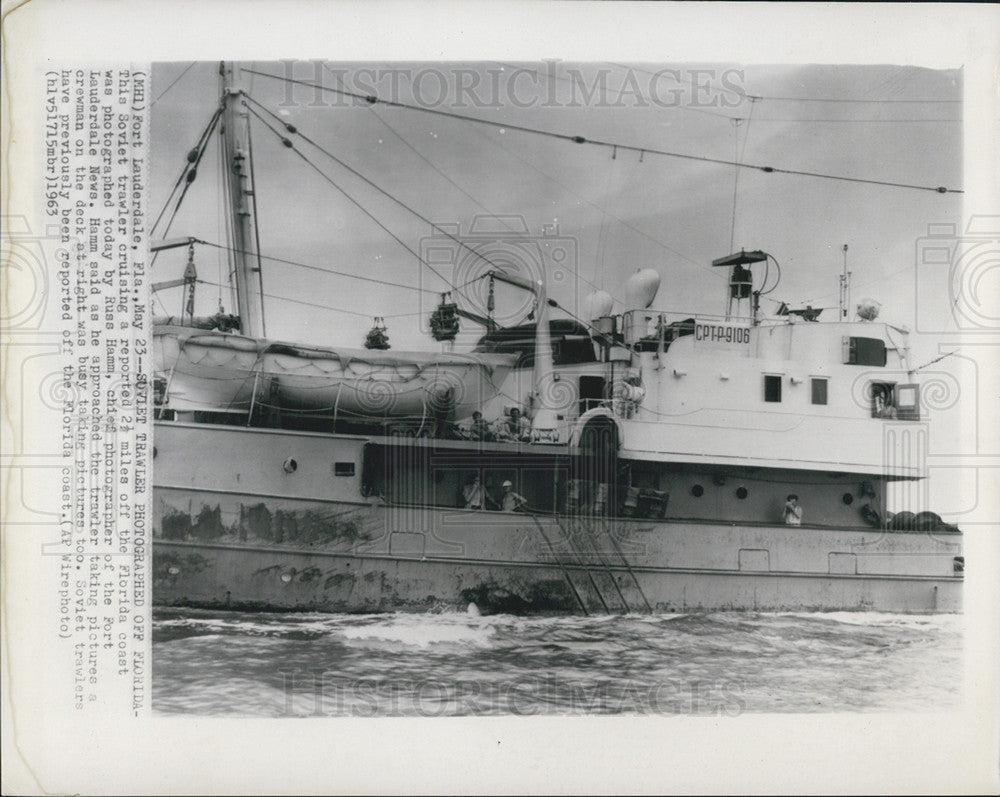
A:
617, 210
610, 211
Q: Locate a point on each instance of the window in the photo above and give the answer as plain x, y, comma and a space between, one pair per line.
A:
591, 392
819, 390
864, 351
772, 388
908, 402
343, 468
883, 400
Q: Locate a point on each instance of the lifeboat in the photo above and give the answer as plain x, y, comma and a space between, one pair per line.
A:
221, 371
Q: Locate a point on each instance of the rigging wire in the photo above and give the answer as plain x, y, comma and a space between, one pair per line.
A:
679, 82
357, 204
601, 240
926, 101
850, 100
714, 272
200, 149
738, 153
172, 84
372, 99
456, 185
618, 92
464, 244
937, 359
857, 121
256, 223
219, 220
320, 269
310, 304
422, 157
180, 200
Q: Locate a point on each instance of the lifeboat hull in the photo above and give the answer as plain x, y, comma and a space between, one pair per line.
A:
227, 372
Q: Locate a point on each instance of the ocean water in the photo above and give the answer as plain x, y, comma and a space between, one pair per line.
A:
724, 664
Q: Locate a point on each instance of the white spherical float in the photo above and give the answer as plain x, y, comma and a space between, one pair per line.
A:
598, 305
641, 288
868, 309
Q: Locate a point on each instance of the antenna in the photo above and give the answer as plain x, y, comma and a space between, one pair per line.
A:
845, 290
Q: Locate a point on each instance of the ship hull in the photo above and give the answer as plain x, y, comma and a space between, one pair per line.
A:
278, 520
256, 578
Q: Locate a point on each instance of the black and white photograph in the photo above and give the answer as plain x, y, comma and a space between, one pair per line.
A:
426, 401
612, 372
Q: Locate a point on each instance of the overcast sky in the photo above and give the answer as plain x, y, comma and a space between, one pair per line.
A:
619, 210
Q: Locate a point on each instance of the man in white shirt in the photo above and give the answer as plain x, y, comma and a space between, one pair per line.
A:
473, 493
793, 512
511, 500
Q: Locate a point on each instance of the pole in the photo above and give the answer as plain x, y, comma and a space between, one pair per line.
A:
236, 132
845, 297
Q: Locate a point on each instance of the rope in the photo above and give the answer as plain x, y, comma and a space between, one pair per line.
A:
578, 139
172, 84
256, 228
320, 269
200, 147
385, 193
330, 180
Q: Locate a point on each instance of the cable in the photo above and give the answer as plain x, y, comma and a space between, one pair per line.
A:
791, 99
456, 185
577, 139
256, 227
382, 191
675, 78
618, 93
844, 99
858, 121
182, 74
189, 171
714, 272
320, 269
200, 149
357, 204
309, 304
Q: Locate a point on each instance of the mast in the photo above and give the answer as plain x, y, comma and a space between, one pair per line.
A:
545, 410
236, 136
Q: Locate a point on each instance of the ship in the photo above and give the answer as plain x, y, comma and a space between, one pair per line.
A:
638, 461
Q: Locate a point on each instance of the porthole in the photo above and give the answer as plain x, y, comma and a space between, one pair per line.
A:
697, 491
847, 498
741, 493
154, 452
290, 465
174, 571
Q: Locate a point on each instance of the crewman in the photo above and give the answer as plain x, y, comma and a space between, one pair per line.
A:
792, 512
479, 430
511, 501
474, 493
